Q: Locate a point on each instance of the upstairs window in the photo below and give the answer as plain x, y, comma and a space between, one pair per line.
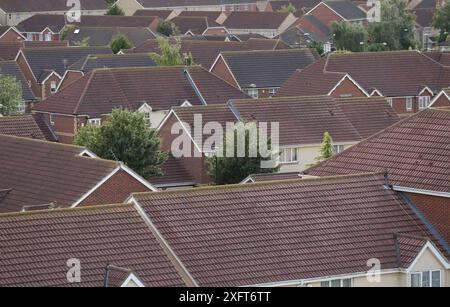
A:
95, 121
253, 92
289, 155
148, 118
53, 87
424, 102
337, 283
390, 101
338, 148
272, 92
426, 279
21, 107
409, 104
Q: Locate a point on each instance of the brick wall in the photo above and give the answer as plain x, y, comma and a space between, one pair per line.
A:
115, 190
347, 88
11, 36
46, 86
442, 101
222, 71
436, 210
325, 14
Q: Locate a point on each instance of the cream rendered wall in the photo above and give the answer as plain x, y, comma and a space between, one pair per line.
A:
306, 156
129, 6
157, 117
427, 262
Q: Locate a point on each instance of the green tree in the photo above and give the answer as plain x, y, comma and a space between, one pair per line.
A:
288, 8
316, 45
441, 21
114, 9
171, 54
125, 137
228, 168
120, 42
326, 149
395, 31
167, 28
68, 28
84, 42
348, 36
10, 95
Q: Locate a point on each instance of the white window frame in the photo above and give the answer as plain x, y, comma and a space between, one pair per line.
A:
52, 122
95, 121
424, 102
21, 107
341, 282
53, 87
253, 92
272, 91
390, 101
289, 156
430, 275
409, 103
148, 118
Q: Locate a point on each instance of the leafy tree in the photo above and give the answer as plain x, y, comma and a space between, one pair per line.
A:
228, 168
348, 36
316, 45
125, 137
396, 27
114, 9
171, 54
326, 149
120, 42
84, 42
441, 21
288, 8
10, 95
68, 28
167, 28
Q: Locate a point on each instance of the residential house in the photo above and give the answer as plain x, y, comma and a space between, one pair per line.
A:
12, 69
198, 26
442, 99
217, 16
414, 152
409, 79
263, 234
150, 90
42, 27
331, 11
131, 6
301, 6
27, 126
10, 35
117, 249
44, 68
205, 52
103, 36
97, 61
40, 174
301, 122
12, 12
424, 11
261, 73
268, 24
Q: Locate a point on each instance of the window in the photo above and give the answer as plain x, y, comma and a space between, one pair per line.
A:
289, 155
21, 107
95, 121
148, 118
409, 104
338, 148
48, 37
30, 36
272, 91
252, 92
424, 102
53, 87
326, 47
390, 101
426, 279
52, 122
337, 283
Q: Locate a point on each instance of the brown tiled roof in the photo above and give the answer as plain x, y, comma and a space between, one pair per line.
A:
267, 68
282, 231
9, 50
174, 175
97, 61
441, 57
255, 20
394, 74
163, 14
29, 126
116, 276
40, 173
187, 3
205, 52
38, 22
100, 91
96, 236
12, 69
196, 25
273, 177
407, 249
213, 15
102, 36
414, 151
13, 6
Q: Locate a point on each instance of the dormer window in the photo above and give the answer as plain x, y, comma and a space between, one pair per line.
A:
424, 102
53, 87
95, 121
147, 111
426, 279
148, 118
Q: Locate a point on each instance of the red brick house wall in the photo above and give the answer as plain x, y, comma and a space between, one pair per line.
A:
115, 190
11, 36
347, 88
436, 210
46, 86
442, 101
325, 14
221, 70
